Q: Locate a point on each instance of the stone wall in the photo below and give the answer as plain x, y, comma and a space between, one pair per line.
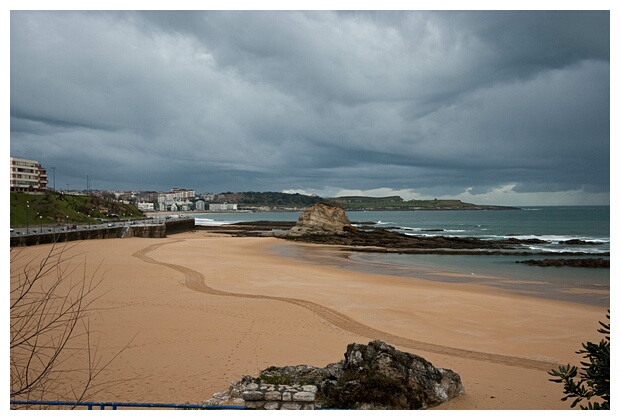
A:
72, 235
180, 225
279, 397
154, 231
139, 231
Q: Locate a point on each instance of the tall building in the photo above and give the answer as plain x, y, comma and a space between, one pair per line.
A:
182, 193
27, 175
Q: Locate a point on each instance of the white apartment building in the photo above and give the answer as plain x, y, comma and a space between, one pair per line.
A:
182, 193
222, 207
176, 194
27, 175
177, 197
146, 207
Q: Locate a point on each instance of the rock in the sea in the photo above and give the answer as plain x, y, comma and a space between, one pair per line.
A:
373, 376
323, 218
569, 262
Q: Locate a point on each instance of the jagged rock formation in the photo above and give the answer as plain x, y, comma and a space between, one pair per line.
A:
569, 262
369, 238
373, 376
322, 218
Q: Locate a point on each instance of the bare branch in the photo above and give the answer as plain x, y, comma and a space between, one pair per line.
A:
50, 306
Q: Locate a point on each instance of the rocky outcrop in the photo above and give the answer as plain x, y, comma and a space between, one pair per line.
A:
569, 262
322, 218
379, 376
373, 376
367, 238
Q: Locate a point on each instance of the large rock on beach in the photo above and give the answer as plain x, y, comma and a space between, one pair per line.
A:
323, 218
373, 376
379, 376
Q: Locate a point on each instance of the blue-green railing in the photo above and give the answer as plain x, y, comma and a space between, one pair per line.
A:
115, 405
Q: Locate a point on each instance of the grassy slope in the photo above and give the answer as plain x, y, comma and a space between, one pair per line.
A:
56, 208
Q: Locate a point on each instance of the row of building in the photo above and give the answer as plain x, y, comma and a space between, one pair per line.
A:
170, 202
28, 175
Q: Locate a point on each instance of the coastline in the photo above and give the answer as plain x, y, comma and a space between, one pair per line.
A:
202, 309
557, 284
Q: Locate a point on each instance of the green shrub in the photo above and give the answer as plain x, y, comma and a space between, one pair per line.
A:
370, 388
594, 382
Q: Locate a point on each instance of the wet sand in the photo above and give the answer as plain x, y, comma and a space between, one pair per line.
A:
584, 286
197, 311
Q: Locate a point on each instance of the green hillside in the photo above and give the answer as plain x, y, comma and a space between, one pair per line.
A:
397, 203
57, 208
276, 200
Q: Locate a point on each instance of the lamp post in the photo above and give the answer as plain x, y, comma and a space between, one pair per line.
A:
27, 207
41, 223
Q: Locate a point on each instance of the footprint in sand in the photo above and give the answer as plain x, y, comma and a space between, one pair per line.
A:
196, 282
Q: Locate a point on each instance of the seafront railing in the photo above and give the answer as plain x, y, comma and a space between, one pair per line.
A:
115, 405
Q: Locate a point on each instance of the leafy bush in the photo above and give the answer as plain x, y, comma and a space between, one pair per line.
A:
594, 382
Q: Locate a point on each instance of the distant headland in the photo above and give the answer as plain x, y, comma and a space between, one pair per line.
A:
397, 203
287, 201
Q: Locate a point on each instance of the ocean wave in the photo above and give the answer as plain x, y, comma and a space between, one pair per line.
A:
552, 243
566, 250
210, 222
552, 238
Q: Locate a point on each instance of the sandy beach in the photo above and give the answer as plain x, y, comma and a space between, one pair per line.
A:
192, 312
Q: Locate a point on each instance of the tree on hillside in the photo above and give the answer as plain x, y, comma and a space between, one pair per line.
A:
53, 352
594, 382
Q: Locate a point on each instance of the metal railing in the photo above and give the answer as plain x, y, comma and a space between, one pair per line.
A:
115, 405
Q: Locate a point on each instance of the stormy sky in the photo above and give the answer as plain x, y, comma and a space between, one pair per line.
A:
492, 107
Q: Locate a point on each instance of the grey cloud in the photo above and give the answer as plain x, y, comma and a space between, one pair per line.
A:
430, 101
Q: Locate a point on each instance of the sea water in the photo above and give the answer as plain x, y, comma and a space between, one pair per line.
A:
589, 224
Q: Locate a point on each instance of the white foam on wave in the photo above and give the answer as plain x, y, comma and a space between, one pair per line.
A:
210, 222
551, 238
542, 248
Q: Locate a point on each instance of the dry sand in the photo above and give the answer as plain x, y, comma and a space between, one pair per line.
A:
200, 310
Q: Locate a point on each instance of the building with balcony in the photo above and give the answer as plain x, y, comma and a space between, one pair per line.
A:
27, 175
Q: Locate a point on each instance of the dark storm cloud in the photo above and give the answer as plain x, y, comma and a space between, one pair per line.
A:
433, 103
